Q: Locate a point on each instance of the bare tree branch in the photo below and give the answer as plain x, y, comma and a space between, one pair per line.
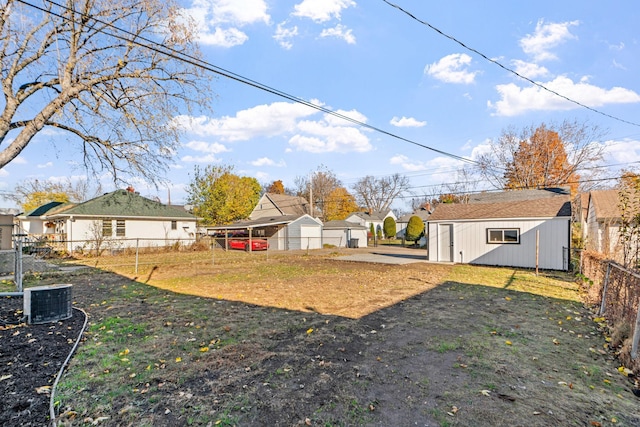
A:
112, 95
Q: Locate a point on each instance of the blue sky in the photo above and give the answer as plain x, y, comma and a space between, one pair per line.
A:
374, 63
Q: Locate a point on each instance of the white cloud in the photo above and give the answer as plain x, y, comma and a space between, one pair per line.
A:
218, 22
618, 47
529, 70
3, 172
516, 100
207, 147
284, 35
223, 37
407, 122
322, 10
239, 12
406, 164
265, 161
19, 160
546, 37
337, 121
209, 158
624, 151
619, 66
261, 120
480, 149
323, 137
329, 134
45, 165
340, 32
452, 69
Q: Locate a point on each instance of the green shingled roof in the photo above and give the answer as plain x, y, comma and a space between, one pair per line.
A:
122, 203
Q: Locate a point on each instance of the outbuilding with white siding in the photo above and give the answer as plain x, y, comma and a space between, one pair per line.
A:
522, 233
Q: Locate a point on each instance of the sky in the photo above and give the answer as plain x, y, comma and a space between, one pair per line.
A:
413, 80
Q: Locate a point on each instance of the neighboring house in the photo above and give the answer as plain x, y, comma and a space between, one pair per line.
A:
283, 220
274, 205
505, 233
121, 219
603, 223
36, 221
376, 218
344, 234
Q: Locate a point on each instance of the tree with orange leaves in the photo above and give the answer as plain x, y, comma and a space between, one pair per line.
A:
544, 156
541, 162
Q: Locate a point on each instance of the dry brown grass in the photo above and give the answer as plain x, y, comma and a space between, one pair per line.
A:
310, 283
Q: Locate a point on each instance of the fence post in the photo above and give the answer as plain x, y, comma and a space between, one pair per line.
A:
636, 337
604, 289
137, 247
18, 264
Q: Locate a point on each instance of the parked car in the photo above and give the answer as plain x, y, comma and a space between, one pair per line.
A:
246, 244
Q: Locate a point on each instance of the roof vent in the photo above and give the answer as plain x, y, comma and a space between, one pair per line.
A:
44, 304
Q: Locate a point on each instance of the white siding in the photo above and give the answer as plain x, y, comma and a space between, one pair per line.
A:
339, 237
304, 233
142, 232
470, 243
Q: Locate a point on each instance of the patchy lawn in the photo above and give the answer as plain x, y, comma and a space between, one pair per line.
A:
312, 340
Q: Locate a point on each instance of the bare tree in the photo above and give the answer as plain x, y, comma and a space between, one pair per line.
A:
45, 191
318, 186
88, 68
377, 194
579, 142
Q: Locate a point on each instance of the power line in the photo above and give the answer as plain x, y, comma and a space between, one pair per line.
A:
499, 64
180, 56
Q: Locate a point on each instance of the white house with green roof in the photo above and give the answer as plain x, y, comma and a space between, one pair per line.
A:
122, 219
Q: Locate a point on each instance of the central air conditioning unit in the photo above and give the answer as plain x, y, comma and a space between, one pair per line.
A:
45, 304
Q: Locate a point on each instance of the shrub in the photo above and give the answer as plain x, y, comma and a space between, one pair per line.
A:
415, 229
389, 227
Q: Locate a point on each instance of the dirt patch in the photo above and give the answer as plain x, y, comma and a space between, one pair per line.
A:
30, 358
427, 350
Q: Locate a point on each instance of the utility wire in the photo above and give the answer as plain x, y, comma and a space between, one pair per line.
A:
189, 59
541, 86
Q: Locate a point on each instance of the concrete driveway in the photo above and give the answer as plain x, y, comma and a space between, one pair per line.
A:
386, 255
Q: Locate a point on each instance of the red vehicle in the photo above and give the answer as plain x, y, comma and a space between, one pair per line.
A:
246, 244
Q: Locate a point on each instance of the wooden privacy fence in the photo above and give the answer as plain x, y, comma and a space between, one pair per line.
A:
616, 290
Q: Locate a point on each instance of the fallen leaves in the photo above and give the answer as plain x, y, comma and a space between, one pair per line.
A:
45, 389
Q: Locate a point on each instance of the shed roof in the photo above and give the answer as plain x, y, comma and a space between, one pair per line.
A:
123, 203
517, 195
257, 223
605, 204
538, 208
375, 215
340, 225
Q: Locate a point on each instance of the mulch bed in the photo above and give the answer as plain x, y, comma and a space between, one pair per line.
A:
30, 358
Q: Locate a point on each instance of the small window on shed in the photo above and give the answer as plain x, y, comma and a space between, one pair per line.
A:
503, 235
107, 228
174, 225
120, 228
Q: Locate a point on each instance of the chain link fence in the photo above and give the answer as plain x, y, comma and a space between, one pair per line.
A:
616, 291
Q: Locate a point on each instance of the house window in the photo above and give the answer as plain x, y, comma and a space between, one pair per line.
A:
107, 228
503, 235
174, 225
120, 230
